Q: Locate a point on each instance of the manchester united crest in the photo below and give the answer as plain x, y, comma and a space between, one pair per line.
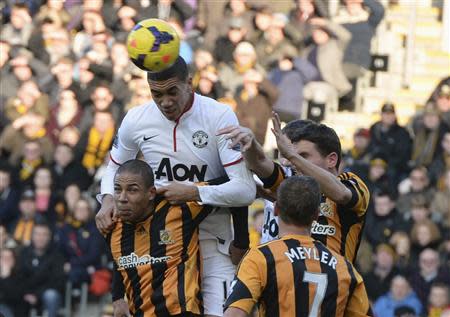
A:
200, 139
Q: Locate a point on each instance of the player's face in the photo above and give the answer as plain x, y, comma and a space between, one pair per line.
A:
172, 96
131, 197
308, 151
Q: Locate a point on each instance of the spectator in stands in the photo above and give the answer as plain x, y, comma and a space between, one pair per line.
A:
290, 75
378, 280
441, 97
11, 288
28, 216
240, 9
18, 31
384, 221
41, 267
96, 141
428, 137
430, 271
326, 53
441, 163
23, 67
357, 159
402, 245
30, 162
140, 93
392, 141
441, 200
255, 99
202, 60
417, 184
274, 45
67, 112
53, 9
6, 241
226, 44
69, 135
164, 9
88, 79
126, 20
46, 196
232, 76
102, 101
27, 129
262, 22
68, 170
208, 13
9, 196
92, 23
400, 294
424, 235
360, 18
186, 51
81, 244
122, 72
377, 178
29, 99
420, 211
61, 78
209, 84
439, 299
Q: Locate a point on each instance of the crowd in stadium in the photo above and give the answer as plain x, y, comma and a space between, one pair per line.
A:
67, 82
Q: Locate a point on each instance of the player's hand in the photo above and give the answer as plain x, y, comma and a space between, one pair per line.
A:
236, 253
239, 136
121, 309
284, 145
177, 193
105, 219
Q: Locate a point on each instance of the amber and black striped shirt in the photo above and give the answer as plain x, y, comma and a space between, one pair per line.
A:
298, 276
157, 262
339, 227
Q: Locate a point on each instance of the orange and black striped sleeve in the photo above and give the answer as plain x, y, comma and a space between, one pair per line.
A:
249, 283
274, 180
360, 193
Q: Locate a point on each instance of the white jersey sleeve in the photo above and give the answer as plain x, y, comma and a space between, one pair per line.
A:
241, 189
123, 149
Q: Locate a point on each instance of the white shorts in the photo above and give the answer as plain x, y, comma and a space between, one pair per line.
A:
218, 273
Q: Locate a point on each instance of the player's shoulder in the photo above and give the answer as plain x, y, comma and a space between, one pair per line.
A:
351, 177
139, 114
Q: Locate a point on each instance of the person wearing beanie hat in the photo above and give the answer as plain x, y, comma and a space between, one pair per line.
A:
177, 134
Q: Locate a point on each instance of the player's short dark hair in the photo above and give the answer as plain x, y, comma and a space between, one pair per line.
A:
138, 167
299, 200
179, 69
324, 137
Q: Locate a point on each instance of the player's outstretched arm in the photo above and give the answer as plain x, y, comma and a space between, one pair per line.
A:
252, 151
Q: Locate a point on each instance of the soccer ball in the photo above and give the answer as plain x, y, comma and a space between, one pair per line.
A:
153, 45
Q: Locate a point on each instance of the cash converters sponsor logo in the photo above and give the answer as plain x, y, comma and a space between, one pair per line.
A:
318, 228
133, 260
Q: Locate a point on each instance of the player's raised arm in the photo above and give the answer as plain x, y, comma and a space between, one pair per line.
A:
330, 185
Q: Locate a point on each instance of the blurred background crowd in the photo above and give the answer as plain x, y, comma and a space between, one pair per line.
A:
376, 71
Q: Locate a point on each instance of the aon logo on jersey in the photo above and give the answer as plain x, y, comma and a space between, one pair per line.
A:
180, 172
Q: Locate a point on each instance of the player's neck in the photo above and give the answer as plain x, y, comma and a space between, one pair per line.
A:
150, 210
290, 229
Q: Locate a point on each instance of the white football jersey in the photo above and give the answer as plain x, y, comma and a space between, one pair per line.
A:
185, 150
269, 230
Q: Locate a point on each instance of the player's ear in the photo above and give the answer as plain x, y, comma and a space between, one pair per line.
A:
332, 160
152, 193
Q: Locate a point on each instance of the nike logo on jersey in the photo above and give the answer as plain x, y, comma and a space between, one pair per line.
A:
146, 138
